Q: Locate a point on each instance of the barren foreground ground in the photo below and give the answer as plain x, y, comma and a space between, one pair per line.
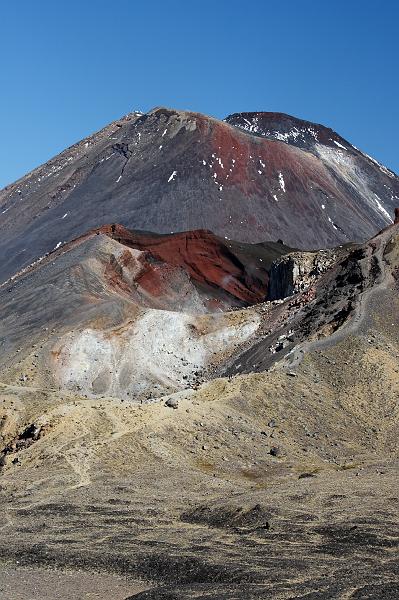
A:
276, 484
20, 583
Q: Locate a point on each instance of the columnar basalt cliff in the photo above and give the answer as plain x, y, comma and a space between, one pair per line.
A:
297, 271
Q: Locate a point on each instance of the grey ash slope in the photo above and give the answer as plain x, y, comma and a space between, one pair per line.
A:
177, 171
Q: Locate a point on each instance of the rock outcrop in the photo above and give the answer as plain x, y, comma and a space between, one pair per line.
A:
297, 271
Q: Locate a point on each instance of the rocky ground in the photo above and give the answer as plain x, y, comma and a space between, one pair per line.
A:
20, 583
275, 478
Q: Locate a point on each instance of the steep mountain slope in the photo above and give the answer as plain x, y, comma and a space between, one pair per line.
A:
361, 176
175, 171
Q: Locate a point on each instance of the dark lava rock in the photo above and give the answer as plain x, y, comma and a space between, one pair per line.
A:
275, 451
172, 403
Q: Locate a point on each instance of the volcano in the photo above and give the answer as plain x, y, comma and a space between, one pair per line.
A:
199, 335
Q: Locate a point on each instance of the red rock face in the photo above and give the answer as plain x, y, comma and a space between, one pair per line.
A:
204, 257
147, 282
192, 270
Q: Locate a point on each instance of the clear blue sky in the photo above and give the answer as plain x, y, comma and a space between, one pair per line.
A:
69, 67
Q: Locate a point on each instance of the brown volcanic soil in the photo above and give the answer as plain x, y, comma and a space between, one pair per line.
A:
45, 584
276, 484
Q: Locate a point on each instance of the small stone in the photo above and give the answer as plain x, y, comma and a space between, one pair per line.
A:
291, 374
204, 447
172, 403
272, 423
306, 475
274, 451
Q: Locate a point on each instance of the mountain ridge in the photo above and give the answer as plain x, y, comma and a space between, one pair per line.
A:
169, 171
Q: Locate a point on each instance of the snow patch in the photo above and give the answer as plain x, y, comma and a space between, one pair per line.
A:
382, 209
339, 145
281, 181
346, 165
379, 165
